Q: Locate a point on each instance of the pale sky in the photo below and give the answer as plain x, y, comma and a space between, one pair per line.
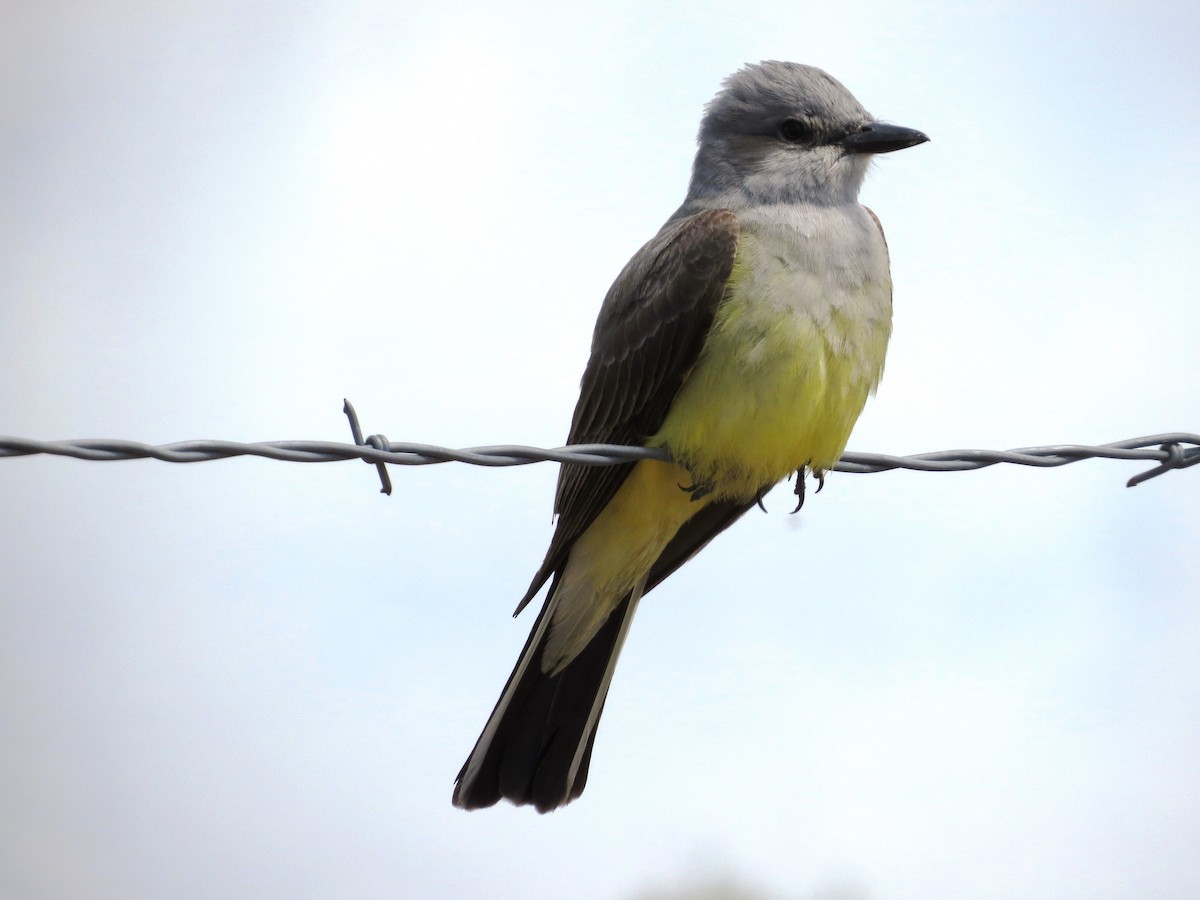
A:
257, 679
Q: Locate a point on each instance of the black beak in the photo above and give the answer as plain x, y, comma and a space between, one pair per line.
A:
880, 138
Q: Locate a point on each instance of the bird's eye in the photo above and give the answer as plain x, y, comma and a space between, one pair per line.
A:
795, 131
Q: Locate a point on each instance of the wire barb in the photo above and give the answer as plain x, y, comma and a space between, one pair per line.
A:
378, 441
1177, 457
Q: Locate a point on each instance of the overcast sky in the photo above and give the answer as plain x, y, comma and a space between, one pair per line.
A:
258, 679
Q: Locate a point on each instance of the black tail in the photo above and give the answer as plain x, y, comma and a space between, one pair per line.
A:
537, 744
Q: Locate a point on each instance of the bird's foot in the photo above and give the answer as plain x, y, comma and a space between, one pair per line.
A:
697, 490
801, 472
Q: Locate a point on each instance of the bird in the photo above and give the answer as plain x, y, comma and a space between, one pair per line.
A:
743, 339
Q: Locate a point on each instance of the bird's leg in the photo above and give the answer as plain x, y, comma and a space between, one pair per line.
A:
762, 492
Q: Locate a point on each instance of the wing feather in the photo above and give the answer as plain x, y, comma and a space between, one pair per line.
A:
648, 336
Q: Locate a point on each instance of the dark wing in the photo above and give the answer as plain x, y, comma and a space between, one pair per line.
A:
648, 336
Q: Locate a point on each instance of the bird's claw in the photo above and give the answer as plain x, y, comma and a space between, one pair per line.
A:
819, 474
697, 490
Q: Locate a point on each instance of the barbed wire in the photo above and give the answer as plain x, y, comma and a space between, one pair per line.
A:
1175, 450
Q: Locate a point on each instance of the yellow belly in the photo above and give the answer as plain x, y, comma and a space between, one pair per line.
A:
777, 386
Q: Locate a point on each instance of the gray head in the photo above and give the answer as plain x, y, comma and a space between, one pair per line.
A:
781, 132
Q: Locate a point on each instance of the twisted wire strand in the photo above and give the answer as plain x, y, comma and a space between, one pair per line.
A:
395, 452
1176, 450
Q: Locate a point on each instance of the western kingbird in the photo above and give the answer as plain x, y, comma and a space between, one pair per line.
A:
744, 339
